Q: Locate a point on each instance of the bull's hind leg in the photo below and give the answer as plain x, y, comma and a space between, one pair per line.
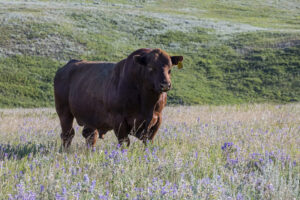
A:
122, 131
90, 135
66, 121
101, 133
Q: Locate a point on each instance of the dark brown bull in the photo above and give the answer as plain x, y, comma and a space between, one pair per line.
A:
127, 96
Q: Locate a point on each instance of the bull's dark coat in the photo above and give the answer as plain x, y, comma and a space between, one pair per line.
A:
127, 96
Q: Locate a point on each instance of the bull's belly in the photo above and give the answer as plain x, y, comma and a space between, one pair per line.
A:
87, 114
96, 123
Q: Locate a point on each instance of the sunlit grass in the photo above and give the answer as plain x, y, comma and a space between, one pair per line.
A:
214, 152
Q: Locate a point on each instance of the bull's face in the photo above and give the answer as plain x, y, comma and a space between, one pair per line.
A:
156, 69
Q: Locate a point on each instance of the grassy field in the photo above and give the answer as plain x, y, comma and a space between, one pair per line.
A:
235, 51
201, 152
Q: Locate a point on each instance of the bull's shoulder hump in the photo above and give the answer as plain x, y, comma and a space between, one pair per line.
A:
104, 68
73, 61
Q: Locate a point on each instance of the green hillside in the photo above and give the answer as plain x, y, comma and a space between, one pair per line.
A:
234, 51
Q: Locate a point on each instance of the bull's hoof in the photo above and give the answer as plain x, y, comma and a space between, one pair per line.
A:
66, 144
67, 138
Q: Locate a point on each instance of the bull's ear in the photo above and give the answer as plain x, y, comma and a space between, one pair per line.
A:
140, 59
176, 59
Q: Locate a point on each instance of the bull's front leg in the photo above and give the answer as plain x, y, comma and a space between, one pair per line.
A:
155, 128
152, 128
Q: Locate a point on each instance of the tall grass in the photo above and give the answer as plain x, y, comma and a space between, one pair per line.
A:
200, 152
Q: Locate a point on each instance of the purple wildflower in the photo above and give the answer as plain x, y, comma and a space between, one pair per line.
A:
59, 197
205, 181
270, 187
294, 163
227, 145
86, 178
239, 196
77, 196
73, 171
93, 186
163, 191
64, 191
42, 188
79, 186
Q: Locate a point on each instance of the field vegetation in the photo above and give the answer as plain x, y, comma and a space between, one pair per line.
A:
200, 152
235, 51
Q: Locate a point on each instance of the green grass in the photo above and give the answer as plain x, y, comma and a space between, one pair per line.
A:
234, 51
27, 81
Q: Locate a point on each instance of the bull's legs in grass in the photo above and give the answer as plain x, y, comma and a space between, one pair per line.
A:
122, 131
101, 133
153, 130
66, 122
90, 135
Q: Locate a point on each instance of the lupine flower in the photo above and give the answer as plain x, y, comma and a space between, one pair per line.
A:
227, 145
77, 196
79, 186
73, 171
124, 151
93, 185
270, 187
59, 197
205, 181
42, 188
294, 163
64, 190
86, 178
239, 196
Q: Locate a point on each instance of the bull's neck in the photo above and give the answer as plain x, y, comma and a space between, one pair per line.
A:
135, 81
149, 98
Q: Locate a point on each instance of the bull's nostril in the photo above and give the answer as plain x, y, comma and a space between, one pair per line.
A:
165, 86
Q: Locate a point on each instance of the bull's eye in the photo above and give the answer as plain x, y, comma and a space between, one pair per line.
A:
169, 72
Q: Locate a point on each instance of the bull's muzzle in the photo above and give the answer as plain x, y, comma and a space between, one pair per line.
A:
165, 87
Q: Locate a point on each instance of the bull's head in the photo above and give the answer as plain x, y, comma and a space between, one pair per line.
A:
156, 69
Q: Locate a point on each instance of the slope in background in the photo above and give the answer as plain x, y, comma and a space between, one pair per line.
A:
234, 51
